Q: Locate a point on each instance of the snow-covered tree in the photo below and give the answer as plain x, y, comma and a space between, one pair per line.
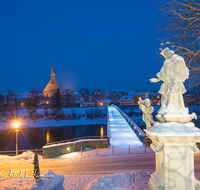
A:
36, 166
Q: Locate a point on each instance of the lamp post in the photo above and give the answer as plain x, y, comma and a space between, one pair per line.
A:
16, 124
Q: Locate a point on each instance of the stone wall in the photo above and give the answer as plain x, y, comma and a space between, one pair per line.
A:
65, 148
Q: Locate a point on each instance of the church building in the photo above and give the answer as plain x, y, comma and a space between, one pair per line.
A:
52, 86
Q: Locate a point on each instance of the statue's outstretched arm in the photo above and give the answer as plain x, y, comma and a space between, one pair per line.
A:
154, 79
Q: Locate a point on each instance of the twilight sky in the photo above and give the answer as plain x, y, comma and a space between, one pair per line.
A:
106, 44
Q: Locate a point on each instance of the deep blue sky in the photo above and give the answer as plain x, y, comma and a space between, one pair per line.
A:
106, 44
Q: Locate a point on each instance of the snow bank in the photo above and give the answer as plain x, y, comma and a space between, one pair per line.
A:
24, 158
128, 180
55, 181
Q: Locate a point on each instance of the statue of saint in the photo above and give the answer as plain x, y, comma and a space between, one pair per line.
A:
147, 109
173, 74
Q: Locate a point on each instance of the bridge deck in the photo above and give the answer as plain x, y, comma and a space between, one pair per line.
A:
120, 132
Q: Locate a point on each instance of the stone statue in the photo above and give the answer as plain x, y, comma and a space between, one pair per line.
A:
147, 109
173, 74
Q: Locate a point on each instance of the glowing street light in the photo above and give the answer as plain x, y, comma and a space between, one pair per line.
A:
16, 125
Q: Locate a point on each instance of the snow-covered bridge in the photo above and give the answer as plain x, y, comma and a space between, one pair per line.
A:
120, 131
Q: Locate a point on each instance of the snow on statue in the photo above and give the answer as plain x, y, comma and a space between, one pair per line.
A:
173, 74
147, 109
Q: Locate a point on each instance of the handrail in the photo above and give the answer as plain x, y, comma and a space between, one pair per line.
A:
141, 135
108, 127
76, 139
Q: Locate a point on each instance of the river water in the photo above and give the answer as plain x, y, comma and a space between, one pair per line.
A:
31, 138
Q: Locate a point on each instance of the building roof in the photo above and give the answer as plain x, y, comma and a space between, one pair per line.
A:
52, 86
134, 93
117, 91
22, 96
88, 103
131, 92
137, 94
154, 92
66, 93
127, 97
77, 94
104, 100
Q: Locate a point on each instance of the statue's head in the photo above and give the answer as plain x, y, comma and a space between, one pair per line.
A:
166, 53
147, 102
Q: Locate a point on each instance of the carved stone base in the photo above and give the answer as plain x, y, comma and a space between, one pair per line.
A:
176, 117
174, 145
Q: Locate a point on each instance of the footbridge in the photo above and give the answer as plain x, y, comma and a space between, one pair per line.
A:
122, 130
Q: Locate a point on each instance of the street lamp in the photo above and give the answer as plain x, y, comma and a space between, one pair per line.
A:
16, 124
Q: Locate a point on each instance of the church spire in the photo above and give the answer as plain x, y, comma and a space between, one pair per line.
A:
52, 73
52, 68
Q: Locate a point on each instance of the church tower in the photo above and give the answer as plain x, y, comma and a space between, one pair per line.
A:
52, 86
53, 73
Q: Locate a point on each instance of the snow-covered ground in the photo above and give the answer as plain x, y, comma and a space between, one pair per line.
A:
44, 122
137, 180
65, 110
126, 181
49, 180
52, 123
133, 179
24, 158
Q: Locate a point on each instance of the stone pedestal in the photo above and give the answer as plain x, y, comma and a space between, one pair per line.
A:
174, 145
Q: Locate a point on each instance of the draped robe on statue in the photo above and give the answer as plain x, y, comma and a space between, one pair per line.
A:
173, 73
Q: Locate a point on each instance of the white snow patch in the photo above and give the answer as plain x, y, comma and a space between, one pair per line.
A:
121, 181
24, 158
53, 182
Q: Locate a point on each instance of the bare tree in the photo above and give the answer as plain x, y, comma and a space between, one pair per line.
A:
181, 28
35, 95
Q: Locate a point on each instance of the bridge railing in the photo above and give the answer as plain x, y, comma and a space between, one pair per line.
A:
139, 132
76, 139
108, 127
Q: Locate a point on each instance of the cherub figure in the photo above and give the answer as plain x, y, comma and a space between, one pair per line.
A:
147, 109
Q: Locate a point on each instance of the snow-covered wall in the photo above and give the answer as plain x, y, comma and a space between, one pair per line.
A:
53, 150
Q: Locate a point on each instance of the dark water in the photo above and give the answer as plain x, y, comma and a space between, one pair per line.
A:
31, 138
